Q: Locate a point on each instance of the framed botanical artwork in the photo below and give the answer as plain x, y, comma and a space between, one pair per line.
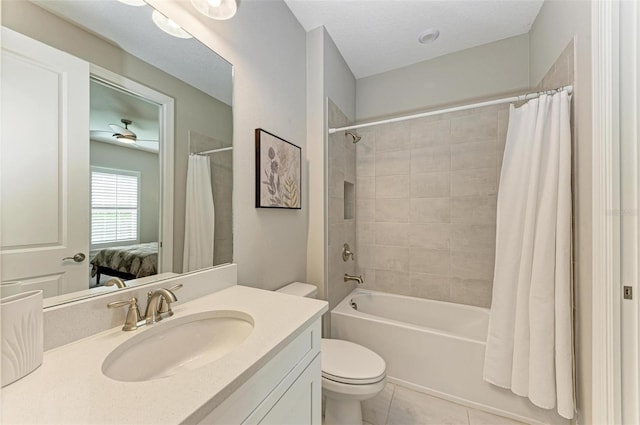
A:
278, 172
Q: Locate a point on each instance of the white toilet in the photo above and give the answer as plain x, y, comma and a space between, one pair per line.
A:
350, 372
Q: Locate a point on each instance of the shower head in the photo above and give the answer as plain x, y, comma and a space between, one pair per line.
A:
355, 137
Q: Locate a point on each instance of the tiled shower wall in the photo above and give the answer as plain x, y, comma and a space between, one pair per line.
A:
342, 217
426, 200
426, 204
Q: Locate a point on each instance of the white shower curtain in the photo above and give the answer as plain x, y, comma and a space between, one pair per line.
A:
199, 216
529, 345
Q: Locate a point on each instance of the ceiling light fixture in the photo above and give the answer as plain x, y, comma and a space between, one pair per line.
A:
428, 36
168, 26
125, 139
216, 9
134, 2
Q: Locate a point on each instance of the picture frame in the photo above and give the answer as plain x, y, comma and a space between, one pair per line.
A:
278, 172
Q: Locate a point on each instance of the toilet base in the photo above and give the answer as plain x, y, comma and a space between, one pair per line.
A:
343, 412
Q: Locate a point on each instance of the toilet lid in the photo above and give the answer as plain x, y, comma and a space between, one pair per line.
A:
349, 363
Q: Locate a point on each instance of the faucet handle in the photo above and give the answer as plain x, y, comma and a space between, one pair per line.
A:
346, 253
133, 314
165, 307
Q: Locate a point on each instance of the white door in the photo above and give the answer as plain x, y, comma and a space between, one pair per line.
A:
629, 217
44, 166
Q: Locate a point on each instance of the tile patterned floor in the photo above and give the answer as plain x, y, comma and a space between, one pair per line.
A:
397, 405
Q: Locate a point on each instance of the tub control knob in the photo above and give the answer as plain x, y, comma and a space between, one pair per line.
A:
346, 253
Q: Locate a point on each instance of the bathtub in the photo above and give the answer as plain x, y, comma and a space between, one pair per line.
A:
431, 346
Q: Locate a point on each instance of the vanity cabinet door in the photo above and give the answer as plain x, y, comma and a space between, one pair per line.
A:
302, 402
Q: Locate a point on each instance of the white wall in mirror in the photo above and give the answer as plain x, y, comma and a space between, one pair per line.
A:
196, 110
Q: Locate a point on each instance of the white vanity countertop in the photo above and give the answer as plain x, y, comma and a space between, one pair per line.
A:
69, 387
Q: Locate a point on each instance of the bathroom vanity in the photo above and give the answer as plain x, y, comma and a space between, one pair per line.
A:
273, 376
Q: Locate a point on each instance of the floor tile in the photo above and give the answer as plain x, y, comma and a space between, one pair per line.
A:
375, 410
411, 407
478, 417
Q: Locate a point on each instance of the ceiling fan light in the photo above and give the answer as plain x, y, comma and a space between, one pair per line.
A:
168, 26
124, 139
216, 9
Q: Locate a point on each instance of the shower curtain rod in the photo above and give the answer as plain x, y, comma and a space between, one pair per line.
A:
213, 151
527, 96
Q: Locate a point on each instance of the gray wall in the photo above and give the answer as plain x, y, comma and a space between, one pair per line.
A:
267, 47
195, 110
481, 72
147, 163
331, 94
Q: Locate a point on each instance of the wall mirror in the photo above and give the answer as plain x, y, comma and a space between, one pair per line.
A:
104, 118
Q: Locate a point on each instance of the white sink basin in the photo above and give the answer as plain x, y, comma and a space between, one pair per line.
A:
177, 345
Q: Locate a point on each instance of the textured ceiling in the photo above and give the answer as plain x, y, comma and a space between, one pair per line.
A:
375, 36
109, 106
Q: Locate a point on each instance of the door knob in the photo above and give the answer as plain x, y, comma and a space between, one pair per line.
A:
78, 258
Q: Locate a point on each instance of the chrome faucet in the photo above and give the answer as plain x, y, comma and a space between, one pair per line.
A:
152, 313
348, 277
119, 283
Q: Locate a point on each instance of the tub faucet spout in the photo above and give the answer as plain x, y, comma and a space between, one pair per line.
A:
359, 279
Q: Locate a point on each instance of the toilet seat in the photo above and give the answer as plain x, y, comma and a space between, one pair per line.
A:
349, 363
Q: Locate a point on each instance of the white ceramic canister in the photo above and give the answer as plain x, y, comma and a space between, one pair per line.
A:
22, 336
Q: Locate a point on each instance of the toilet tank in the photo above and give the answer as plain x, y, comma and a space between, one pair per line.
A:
299, 289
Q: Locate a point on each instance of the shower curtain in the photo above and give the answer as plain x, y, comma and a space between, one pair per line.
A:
530, 340
199, 216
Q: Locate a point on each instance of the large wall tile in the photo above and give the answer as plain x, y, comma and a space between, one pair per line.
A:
391, 258
392, 163
366, 187
366, 256
430, 210
472, 265
469, 156
392, 210
430, 185
392, 137
392, 234
428, 133
474, 126
430, 159
365, 210
365, 232
473, 237
396, 282
431, 236
392, 187
482, 181
336, 184
474, 209
430, 261
434, 204
471, 291
336, 210
336, 233
430, 286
